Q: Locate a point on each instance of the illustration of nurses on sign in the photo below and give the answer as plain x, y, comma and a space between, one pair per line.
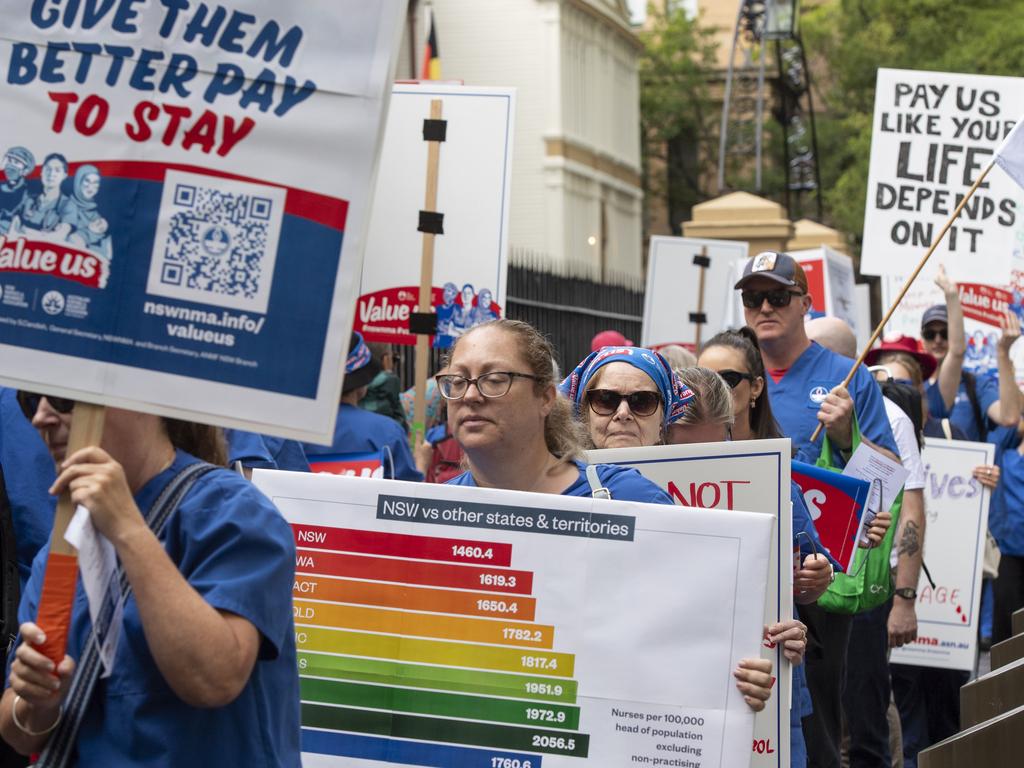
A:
42, 212
88, 227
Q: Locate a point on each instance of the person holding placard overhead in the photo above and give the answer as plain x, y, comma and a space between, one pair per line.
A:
204, 671
518, 434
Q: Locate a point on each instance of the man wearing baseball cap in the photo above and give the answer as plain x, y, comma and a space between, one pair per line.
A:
803, 387
973, 403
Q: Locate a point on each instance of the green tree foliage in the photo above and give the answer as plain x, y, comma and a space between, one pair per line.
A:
679, 120
848, 40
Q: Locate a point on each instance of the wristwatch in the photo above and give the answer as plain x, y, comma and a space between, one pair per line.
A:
907, 593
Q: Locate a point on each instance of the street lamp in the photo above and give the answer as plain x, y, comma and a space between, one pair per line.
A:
780, 19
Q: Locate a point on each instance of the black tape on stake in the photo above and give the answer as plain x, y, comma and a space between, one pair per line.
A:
431, 222
423, 323
435, 130
702, 261
698, 317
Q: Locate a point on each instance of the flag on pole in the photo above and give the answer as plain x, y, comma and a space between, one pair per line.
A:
1010, 155
431, 54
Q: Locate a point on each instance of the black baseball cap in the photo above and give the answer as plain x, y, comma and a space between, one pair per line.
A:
935, 314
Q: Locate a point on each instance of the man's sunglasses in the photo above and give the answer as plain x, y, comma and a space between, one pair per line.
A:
930, 334
29, 402
777, 298
605, 402
733, 378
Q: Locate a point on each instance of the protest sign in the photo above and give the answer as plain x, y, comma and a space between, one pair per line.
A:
982, 306
954, 544
368, 464
830, 282
689, 287
182, 216
445, 625
752, 476
474, 178
836, 504
933, 134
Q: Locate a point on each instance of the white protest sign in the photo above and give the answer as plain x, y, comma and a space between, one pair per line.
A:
445, 625
933, 134
981, 311
474, 179
182, 218
830, 282
680, 289
954, 546
752, 475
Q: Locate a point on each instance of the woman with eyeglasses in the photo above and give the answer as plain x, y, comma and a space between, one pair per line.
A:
625, 397
207, 644
519, 434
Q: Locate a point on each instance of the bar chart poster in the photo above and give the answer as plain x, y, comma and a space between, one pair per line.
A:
471, 628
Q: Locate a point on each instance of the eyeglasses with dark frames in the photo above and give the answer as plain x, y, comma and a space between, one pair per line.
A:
605, 402
29, 402
733, 378
491, 384
777, 298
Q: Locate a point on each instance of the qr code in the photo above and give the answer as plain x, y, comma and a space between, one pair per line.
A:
216, 241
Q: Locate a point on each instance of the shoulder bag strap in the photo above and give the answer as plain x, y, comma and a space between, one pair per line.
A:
597, 490
60, 748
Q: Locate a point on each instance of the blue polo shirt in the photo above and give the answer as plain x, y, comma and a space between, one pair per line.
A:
264, 451
798, 395
28, 474
236, 550
360, 431
624, 484
962, 414
1006, 513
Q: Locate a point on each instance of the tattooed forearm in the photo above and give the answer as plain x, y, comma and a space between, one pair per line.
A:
910, 542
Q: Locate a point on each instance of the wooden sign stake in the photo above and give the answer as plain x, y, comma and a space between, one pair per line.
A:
58, 594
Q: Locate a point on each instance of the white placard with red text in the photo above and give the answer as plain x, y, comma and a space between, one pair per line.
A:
830, 282
474, 181
748, 475
956, 506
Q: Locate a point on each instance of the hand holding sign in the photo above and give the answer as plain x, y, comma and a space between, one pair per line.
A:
836, 415
812, 579
40, 688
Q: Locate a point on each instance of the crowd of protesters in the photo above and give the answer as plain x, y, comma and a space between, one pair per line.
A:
200, 547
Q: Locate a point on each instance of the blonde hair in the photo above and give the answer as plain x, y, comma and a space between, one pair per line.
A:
563, 435
907, 361
712, 403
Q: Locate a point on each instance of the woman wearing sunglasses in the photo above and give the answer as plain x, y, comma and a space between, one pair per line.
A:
207, 644
625, 396
518, 433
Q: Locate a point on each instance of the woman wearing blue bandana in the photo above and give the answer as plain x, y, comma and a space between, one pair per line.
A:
358, 431
625, 396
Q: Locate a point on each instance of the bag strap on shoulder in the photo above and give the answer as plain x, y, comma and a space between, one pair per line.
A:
597, 490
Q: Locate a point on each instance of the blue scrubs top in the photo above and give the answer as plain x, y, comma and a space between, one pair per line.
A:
264, 451
360, 431
28, 473
797, 397
961, 414
237, 551
624, 484
1006, 513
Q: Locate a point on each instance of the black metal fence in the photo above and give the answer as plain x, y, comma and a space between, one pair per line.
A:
569, 303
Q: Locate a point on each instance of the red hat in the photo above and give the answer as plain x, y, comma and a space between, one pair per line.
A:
609, 339
908, 345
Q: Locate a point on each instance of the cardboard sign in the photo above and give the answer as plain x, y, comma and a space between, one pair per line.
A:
678, 300
452, 626
933, 134
474, 179
751, 475
830, 281
957, 508
181, 223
